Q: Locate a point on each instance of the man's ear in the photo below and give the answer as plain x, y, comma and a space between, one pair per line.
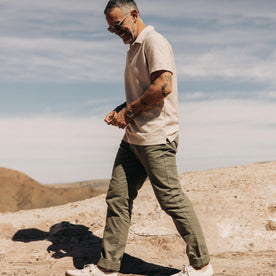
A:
134, 14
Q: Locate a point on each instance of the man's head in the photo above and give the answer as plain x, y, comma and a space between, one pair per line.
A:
124, 19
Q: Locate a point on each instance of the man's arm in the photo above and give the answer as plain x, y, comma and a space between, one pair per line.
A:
160, 88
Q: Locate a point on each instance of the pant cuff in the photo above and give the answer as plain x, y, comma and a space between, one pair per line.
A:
109, 265
199, 263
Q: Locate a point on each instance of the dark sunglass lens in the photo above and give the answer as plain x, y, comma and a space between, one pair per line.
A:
117, 27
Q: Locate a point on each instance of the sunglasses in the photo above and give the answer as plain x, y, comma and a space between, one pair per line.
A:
117, 26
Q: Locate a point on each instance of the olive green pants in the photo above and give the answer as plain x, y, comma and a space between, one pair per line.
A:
133, 164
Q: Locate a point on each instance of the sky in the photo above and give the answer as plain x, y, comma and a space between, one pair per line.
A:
61, 72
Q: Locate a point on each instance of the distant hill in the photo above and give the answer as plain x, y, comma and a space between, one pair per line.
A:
20, 192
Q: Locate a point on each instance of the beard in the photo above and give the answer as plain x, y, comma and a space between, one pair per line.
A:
127, 37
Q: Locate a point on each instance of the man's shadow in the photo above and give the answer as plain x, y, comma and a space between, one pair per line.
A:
79, 243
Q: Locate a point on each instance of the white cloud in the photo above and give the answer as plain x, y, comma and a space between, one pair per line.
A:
67, 41
49, 59
198, 95
226, 133
213, 134
229, 63
201, 9
267, 94
57, 149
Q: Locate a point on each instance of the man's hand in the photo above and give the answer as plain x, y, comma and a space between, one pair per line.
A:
117, 119
109, 117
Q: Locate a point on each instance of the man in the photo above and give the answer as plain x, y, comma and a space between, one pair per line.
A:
150, 119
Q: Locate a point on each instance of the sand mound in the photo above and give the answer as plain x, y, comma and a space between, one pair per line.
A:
20, 192
236, 207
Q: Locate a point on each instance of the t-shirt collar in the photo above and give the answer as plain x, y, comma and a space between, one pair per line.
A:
143, 34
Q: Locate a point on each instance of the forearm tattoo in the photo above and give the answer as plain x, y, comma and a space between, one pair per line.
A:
168, 79
163, 90
152, 97
143, 103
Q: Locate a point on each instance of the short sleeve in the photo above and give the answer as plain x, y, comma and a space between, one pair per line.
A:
158, 53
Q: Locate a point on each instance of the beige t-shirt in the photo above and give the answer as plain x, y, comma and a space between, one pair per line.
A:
149, 53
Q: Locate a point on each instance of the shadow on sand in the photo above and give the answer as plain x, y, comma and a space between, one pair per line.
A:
79, 243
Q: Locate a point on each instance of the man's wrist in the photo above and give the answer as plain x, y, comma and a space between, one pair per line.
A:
129, 112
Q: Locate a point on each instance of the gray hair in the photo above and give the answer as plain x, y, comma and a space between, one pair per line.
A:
124, 5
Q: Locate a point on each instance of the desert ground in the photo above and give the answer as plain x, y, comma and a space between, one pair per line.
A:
236, 207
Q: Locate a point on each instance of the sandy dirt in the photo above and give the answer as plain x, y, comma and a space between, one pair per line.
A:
236, 207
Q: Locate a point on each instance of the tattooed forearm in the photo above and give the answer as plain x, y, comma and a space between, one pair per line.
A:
150, 90
144, 103
161, 87
164, 94
168, 80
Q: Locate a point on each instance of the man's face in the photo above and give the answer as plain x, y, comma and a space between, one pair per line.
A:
128, 29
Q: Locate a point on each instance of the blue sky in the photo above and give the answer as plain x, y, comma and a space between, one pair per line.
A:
61, 72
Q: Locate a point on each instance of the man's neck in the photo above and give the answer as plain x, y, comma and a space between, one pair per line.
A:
140, 26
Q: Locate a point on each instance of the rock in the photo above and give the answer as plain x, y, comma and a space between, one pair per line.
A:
271, 225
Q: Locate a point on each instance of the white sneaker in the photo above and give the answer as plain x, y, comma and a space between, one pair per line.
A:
190, 271
89, 270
